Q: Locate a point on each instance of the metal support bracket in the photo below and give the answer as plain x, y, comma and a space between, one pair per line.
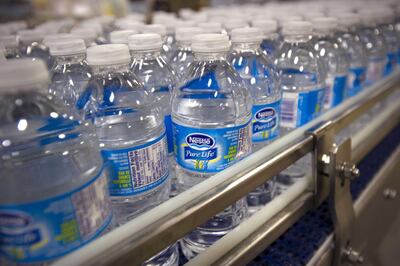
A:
337, 166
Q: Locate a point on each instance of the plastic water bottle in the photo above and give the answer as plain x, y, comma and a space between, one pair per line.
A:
70, 76
132, 138
261, 78
270, 43
54, 196
183, 56
349, 40
388, 30
168, 49
10, 44
158, 78
332, 57
302, 83
30, 45
121, 36
375, 44
211, 114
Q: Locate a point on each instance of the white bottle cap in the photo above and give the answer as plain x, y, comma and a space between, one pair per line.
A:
211, 27
284, 19
210, 43
88, 35
324, 24
186, 34
67, 47
156, 28
9, 41
268, 26
22, 74
121, 36
348, 19
30, 36
246, 35
297, 28
235, 24
129, 24
49, 39
108, 54
145, 42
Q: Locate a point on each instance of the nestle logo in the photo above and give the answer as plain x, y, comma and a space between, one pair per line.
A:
265, 114
200, 141
14, 220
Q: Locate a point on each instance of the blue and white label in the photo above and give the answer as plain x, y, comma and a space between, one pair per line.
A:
138, 169
375, 70
45, 230
170, 134
391, 63
265, 122
210, 150
335, 90
355, 80
298, 109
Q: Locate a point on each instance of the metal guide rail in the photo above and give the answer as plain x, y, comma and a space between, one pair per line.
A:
163, 225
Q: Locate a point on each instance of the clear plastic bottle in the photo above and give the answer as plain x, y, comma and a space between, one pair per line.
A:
30, 45
302, 81
132, 138
271, 41
54, 195
158, 78
168, 49
183, 56
388, 30
10, 43
261, 78
70, 75
349, 40
333, 58
375, 45
211, 114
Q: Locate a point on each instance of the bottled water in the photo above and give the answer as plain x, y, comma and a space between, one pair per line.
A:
375, 45
158, 78
302, 83
211, 114
168, 50
388, 30
54, 195
30, 45
121, 36
132, 138
333, 59
10, 44
71, 74
349, 40
270, 43
183, 56
261, 78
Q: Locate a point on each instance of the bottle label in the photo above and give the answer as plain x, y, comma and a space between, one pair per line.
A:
170, 134
211, 150
138, 169
391, 63
335, 89
44, 230
375, 70
298, 109
265, 122
355, 80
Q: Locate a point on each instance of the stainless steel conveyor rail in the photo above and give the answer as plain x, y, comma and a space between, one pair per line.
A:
154, 230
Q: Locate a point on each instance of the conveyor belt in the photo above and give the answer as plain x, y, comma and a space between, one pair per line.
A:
298, 244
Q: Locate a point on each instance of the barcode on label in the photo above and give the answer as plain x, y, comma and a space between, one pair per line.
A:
289, 107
